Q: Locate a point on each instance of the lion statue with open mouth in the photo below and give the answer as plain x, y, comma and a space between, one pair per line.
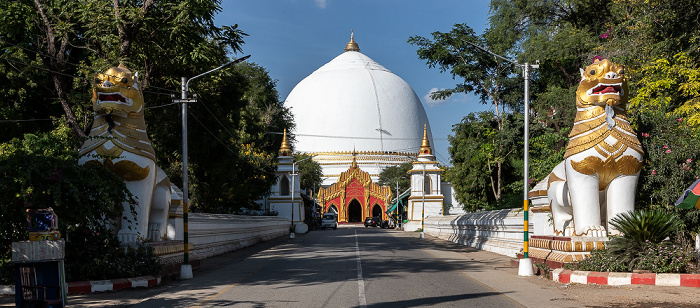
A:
118, 141
598, 178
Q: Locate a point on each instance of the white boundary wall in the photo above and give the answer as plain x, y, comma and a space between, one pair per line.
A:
499, 231
214, 234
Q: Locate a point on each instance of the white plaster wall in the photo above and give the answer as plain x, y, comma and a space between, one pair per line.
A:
499, 231
455, 208
541, 224
214, 234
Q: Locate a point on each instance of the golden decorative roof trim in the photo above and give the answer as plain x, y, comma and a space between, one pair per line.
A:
426, 198
426, 162
426, 170
363, 153
345, 163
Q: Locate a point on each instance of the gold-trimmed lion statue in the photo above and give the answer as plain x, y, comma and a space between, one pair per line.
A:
118, 141
598, 178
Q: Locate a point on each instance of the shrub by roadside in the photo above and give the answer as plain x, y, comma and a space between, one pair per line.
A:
41, 171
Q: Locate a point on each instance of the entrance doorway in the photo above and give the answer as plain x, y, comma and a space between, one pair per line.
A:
354, 211
333, 209
377, 211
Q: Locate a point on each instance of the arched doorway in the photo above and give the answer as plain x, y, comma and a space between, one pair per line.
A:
332, 209
377, 211
284, 186
354, 211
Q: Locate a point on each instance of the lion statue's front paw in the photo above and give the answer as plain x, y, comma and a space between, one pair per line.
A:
569, 231
595, 231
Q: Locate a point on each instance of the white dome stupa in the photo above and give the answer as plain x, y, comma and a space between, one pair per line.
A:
353, 106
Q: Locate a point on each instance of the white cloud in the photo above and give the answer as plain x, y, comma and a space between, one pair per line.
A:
429, 100
456, 98
321, 3
459, 98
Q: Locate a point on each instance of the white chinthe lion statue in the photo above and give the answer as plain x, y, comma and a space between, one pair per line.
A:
118, 141
598, 178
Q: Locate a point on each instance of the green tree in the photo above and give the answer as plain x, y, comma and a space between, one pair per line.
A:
54, 48
657, 42
476, 171
490, 78
390, 175
311, 172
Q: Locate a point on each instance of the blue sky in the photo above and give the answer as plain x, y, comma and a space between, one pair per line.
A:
292, 38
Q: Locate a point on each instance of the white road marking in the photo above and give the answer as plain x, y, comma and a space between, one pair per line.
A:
360, 281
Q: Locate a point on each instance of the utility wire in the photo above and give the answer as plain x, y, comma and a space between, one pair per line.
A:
82, 78
224, 144
28, 120
77, 66
212, 134
215, 118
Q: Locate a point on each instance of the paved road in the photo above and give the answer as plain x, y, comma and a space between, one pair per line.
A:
356, 266
347, 267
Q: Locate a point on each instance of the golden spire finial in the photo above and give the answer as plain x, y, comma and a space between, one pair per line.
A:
425, 145
354, 156
285, 149
352, 46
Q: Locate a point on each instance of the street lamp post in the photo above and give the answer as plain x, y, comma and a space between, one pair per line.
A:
422, 214
292, 234
398, 214
186, 268
525, 264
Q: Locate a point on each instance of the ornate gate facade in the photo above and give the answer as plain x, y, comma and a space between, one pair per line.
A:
354, 184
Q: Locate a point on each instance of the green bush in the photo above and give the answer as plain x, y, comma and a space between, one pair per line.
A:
656, 258
639, 228
600, 261
95, 254
665, 258
41, 171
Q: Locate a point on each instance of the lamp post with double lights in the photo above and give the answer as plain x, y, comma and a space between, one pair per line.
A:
186, 268
422, 215
525, 264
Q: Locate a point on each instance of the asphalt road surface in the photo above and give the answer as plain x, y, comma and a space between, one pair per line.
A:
355, 266
348, 267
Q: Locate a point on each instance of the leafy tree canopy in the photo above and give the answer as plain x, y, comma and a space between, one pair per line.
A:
390, 175
657, 42
311, 172
50, 51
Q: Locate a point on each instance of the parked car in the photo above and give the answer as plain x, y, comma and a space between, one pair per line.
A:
372, 221
329, 220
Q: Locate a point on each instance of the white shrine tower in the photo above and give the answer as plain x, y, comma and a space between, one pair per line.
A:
285, 197
426, 197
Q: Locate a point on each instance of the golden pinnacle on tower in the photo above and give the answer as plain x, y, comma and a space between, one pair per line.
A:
351, 45
285, 149
425, 145
354, 160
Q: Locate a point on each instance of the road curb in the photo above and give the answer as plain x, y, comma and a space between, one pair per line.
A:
112, 284
620, 279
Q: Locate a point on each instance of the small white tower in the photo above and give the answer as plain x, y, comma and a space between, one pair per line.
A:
285, 196
426, 197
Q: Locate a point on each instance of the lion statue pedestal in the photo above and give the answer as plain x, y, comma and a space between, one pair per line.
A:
118, 141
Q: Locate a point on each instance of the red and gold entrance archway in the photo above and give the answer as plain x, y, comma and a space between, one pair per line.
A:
355, 185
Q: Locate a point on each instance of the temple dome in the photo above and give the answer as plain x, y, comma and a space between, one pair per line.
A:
353, 103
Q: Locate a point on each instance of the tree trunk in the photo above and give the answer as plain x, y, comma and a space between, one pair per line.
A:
54, 59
